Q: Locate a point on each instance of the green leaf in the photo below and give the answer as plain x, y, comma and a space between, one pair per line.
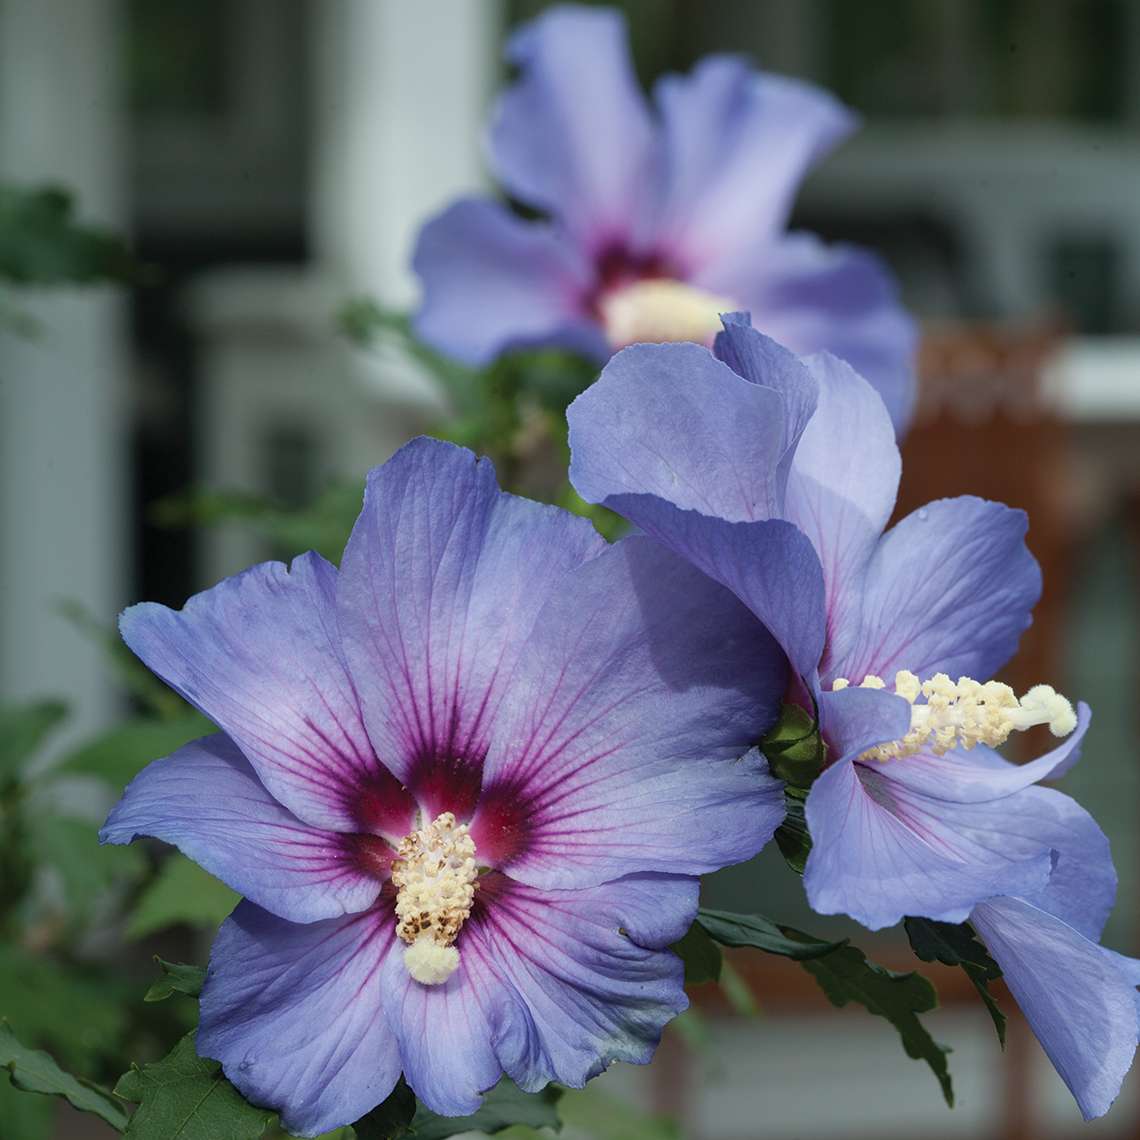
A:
183, 1097
78, 1015
23, 729
390, 1120
181, 893
42, 244
792, 836
119, 755
177, 979
959, 946
763, 934
701, 955
505, 1105
33, 1071
71, 847
846, 975
794, 748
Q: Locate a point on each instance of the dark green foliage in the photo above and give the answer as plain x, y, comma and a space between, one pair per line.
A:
183, 1097
794, 748
959, 946
701, 955
41, 243
505, 1105
177, 978
762, 933
33, 1071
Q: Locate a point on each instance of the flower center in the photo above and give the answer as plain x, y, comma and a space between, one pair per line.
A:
434, 875
962, 713
661, 309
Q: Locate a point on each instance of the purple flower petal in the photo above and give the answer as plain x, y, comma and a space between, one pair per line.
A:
440, 586
618, 749
293, 1012
949, 589
736, 145
593, 978
446, 1033
1076, 997
206, 799
493, 282
673, 421
259, 654
573, 135
880, 852
842, 486
811, 296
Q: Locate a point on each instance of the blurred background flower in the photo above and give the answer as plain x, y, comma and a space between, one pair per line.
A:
272, 159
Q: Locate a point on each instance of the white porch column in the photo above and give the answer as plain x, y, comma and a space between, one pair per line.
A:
62, 427
400, 97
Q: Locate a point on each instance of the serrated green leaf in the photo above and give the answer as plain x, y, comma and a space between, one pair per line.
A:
847, 975
181, 893
119, 755
71, 847
959, 946
79, 1016
794, 747
184, 1097
505, 1105
177, 978
33, 1071
701, 955
23, 729
792, 836
762, 933
390, 1120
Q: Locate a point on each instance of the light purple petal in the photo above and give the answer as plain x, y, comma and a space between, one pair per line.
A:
619, 746
445, 1033
492, 282
259, 655
981, 774
573, 135
879, 853
592, 976
1082, 888
736, 145
812, 297
1078, 1001
293, 1012
441, 583
673, 421
841, 488
949, 589
206, 799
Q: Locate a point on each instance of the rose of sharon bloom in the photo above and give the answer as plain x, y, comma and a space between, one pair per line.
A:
658, 218
776, 475
465, 785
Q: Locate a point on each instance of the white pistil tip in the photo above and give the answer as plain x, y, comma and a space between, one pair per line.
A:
435, 876
963, 713
430, 963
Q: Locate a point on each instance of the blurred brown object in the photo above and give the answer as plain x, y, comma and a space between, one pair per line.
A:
983, 427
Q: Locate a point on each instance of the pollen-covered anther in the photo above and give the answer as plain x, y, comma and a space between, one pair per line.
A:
434, 874
659, 309
963, 713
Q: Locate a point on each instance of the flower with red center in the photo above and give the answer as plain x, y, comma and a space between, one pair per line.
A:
465, 784
657, 218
